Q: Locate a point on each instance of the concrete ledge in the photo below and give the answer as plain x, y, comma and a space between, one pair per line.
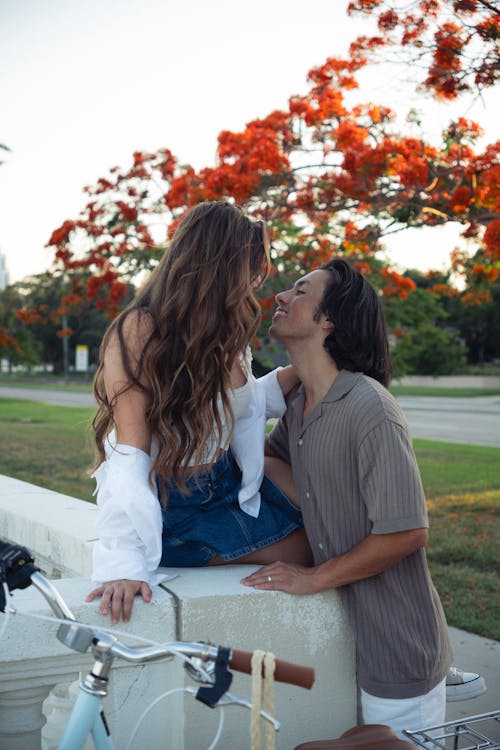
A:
200, 604
33, 658
59, 529
27, 639
309, 630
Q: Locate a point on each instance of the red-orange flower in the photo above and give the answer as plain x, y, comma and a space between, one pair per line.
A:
63, 333
492, 239
397, 285
62, 233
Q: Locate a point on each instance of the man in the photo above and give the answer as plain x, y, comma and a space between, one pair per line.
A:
361, 496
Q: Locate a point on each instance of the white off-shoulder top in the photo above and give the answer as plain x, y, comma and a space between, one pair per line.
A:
129, 522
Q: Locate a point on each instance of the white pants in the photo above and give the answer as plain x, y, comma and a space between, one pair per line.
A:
406, 713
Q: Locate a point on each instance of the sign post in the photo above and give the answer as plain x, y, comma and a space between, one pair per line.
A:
81, 358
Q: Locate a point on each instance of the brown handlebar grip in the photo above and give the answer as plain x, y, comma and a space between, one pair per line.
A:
285, 671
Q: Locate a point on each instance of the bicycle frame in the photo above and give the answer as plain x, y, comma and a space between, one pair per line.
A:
87, 716
86, 719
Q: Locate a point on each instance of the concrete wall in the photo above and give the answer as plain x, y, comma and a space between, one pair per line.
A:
311, 630
59, 529
33, 661
198, 604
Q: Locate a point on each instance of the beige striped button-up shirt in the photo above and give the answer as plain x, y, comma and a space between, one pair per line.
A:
356, 473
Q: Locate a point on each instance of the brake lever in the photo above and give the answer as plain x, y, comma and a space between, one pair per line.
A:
16, 568
210, 695
229, 699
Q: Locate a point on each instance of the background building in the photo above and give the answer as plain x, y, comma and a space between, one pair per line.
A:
4, 274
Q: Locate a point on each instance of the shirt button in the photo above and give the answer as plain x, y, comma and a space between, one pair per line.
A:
300, 441
320, 545
308, 495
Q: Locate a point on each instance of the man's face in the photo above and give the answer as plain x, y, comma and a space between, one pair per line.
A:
294, 318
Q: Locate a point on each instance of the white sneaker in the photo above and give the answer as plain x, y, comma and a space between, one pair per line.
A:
460, 686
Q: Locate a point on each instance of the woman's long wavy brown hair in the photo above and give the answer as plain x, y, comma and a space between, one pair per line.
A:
202, 314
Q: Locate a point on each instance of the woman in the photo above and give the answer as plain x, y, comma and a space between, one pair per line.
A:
181, 419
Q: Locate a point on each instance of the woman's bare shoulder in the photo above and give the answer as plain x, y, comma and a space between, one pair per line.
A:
138, 324
126, 343
134, 330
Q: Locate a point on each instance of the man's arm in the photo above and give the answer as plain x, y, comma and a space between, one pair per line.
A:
373, 555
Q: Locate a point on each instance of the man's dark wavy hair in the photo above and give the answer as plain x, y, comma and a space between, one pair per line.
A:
358, 341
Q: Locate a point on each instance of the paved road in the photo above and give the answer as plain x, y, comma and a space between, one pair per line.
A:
457, 420
49, 396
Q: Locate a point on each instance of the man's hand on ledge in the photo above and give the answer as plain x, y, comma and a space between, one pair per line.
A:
279, 576
118, 596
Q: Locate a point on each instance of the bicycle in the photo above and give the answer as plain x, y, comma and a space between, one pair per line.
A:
205, 663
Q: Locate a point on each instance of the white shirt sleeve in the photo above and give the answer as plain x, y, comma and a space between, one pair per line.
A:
247, 442
129, 522
275, 400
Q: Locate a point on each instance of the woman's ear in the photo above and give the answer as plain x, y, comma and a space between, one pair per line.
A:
326, 324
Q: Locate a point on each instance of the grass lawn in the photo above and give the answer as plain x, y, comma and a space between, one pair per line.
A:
462, 484
48, 446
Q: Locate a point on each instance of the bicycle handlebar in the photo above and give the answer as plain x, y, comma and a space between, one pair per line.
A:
18, 570
285, 671
240, 661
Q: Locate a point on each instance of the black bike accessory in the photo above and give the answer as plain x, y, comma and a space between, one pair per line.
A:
16, 568
210, 696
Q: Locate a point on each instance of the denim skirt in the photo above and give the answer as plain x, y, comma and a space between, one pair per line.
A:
209, 521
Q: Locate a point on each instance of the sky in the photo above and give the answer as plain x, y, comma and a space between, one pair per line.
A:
85, 83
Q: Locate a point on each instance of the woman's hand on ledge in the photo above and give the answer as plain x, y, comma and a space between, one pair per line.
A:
118, 597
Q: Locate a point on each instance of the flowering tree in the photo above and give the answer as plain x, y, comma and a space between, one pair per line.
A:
52, 308
18, 344
455, 43
328, 177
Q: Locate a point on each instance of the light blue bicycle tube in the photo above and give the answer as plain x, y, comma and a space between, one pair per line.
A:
85, 719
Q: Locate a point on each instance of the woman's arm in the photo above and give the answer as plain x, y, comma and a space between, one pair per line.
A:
130, 519
130, 405
288, 379
129, 525
274, 386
